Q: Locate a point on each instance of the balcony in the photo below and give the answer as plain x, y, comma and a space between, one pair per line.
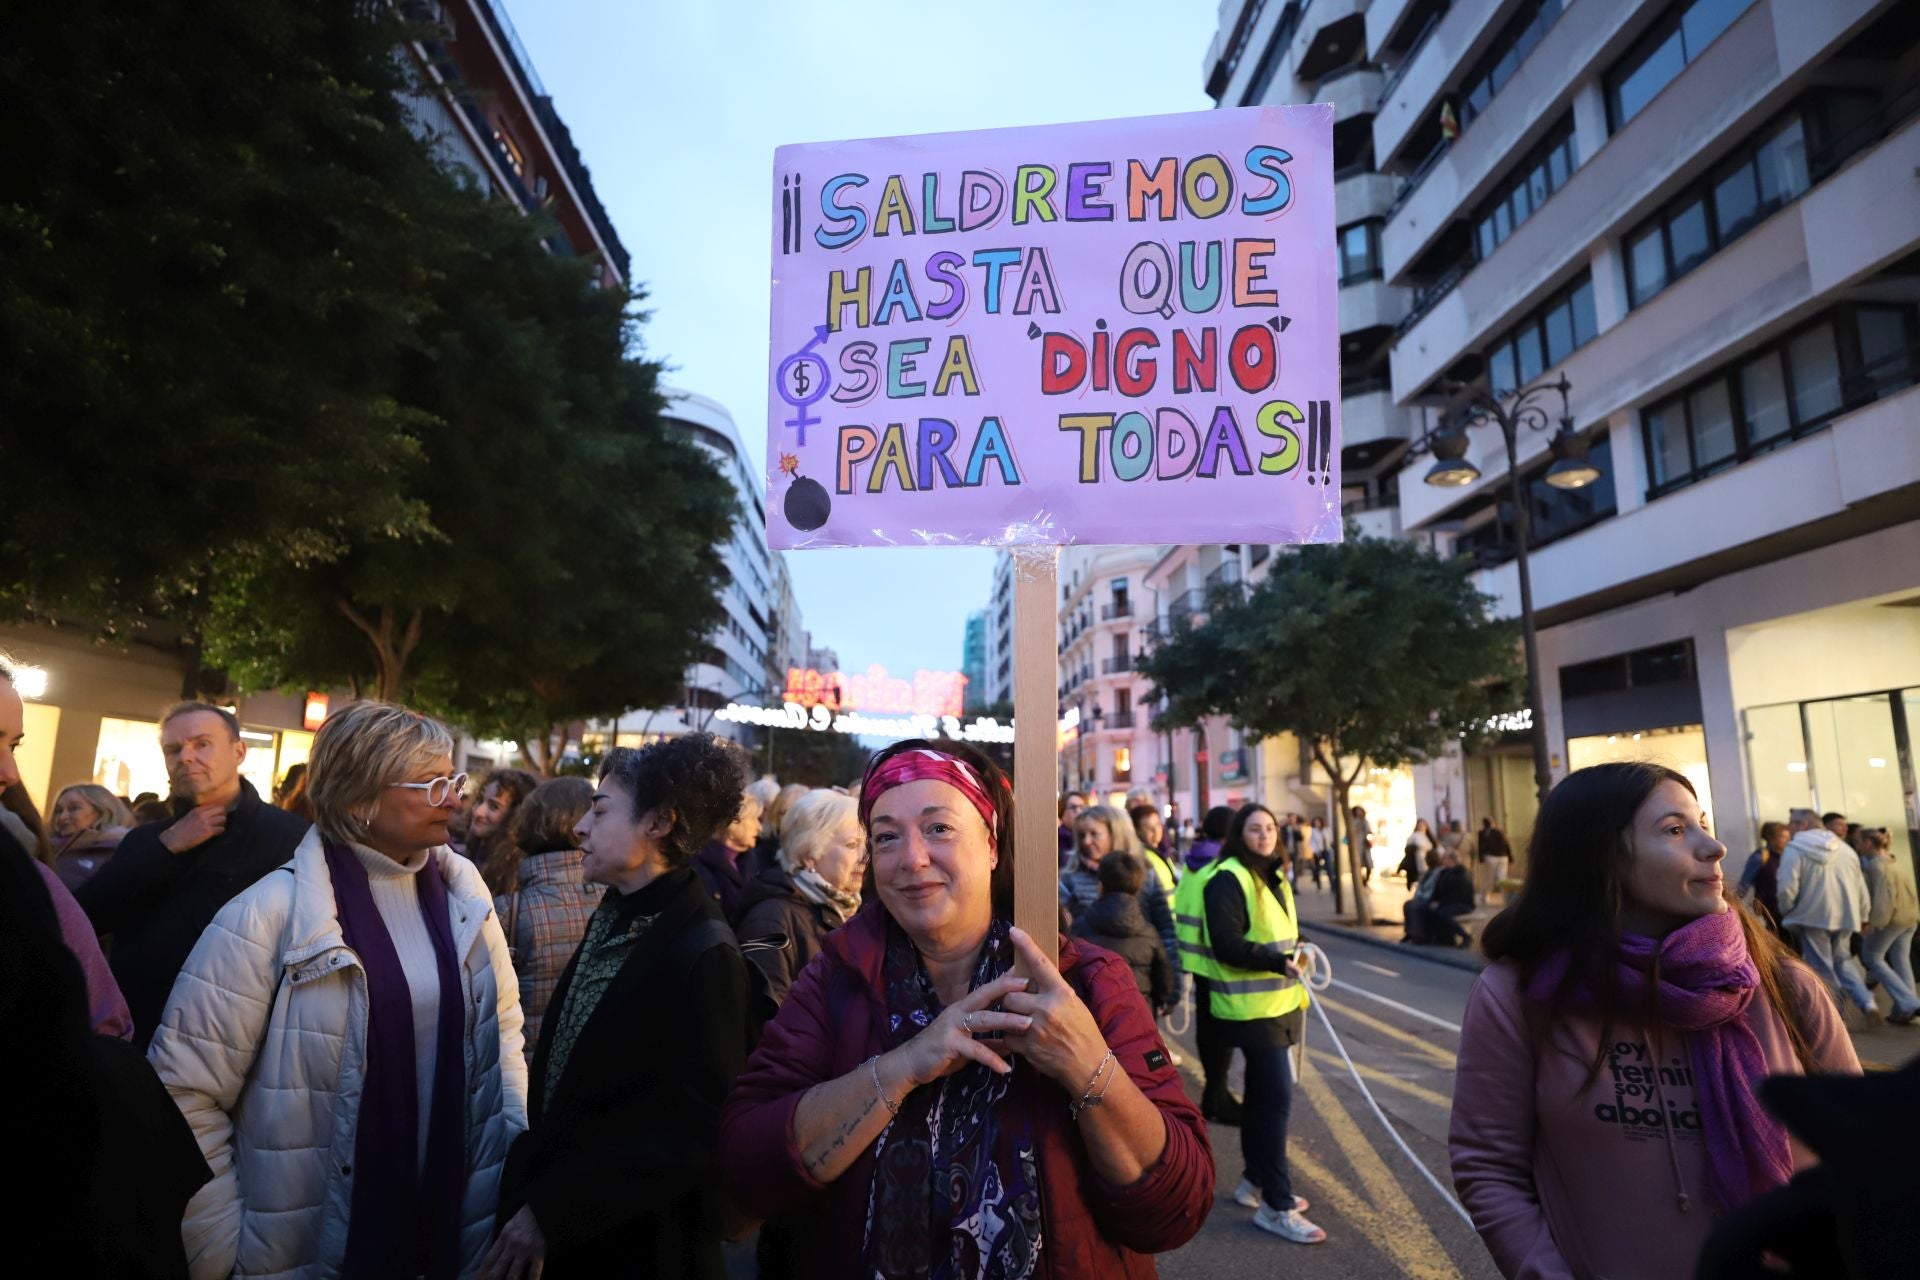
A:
1727, 88
1354, 91
1190, 602
1120, 720
1527, 105
1368, 413
1118, 609
1226, 575
1117, 666
1331, 32
1837, 233
1370, 304
1414, 98
1359, 194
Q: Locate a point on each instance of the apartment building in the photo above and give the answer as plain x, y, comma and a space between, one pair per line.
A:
1103, 614
1705, 214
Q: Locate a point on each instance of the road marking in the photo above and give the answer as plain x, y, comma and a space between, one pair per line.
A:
1433, 1051
1407, 1009
1330, 1062
1403, 1235
1374, 968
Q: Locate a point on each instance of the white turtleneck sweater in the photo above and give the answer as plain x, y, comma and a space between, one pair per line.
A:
397, 896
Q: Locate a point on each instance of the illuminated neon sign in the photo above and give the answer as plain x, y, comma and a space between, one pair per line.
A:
929, 693
822, 719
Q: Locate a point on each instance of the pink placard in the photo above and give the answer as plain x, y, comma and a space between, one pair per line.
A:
1123, 331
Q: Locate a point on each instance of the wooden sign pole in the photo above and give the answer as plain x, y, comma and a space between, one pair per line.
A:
1036, 609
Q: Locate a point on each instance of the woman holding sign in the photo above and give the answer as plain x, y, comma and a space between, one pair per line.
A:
914, 1095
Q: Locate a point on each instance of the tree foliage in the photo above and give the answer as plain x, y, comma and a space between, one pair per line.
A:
1370, 651
276, 379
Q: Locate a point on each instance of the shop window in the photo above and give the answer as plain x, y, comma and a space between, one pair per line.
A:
127, 759
1656, 60
1682, 748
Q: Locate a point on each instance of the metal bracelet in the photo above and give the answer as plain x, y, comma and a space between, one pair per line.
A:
873, 1064
1087, 1099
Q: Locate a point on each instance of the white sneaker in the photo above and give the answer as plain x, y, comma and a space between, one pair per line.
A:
1248, 1195
1289, 1225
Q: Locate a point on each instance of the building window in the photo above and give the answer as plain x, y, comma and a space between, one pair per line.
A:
1553, 513
1273, 55
1544, 171
1564, 324
1360, 252
510, 151
1509, 49
1708, 216
1675, 39
1850, 357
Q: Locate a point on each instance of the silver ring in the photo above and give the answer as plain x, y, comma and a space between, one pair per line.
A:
966, 1023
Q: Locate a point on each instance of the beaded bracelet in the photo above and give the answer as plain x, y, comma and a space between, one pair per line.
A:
893, 1108
1087, 1099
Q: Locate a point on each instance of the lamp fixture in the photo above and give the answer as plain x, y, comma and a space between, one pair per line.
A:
1451, 470
1571, 468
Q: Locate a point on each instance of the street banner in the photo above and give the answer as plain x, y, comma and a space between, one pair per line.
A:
1122, 331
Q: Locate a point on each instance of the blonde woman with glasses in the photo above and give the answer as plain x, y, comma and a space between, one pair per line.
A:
345, 1038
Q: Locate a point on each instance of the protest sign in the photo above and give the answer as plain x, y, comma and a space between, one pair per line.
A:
1122, 331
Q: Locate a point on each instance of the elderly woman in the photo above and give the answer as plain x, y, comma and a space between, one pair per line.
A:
813, 891
88, 824
914, 1096
345, 1037
718, 864
618, 1175
543, 895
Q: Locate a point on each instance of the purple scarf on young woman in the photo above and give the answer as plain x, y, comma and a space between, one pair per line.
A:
405, 1213
1707, 980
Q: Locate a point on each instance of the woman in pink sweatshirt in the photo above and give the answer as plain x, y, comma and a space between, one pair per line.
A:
1605, 1109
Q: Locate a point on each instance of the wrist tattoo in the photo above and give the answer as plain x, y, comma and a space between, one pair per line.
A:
818, 1161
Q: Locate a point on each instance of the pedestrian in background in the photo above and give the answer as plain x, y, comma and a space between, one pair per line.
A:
106, 1008
1360, 840
538, 879
619, 1173
1321, 849
345, 1039
1070, 806
915, 1146
1495, 857
1605, 1112
1213, 830
718, 862
1760, 878
1893, 912
1252, 928
1115, 922
167, 880
293, 793
765, 853
1416, 858
1444, 894
1823, 899
491, 822
812, 890
1103, 830
89, 822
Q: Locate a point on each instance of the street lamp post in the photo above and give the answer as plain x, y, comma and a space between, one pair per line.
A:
1511, 411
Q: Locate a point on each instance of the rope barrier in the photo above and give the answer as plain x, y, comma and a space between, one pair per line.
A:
1316, 970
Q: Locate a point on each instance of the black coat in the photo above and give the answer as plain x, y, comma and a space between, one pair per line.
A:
623, 1170
1116, 922
720, 873
772, 906
156, 904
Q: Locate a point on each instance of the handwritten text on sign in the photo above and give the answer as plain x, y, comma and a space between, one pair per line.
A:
1116, 332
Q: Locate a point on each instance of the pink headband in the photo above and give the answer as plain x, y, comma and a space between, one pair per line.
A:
921, 763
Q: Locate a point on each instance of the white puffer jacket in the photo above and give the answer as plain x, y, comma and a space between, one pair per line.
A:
263, 1046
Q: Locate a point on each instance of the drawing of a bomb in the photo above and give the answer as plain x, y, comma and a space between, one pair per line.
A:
808, 504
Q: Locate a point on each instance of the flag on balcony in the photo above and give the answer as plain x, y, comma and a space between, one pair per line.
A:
1449, 122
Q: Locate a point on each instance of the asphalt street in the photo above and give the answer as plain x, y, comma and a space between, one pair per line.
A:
1398, 1016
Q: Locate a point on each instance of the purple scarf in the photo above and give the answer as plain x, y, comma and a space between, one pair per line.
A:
1707, 980
955, 1191
405, 1217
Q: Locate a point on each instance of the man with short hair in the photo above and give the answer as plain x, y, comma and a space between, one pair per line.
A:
169, 879
1823, 898
1070, 806
1836, 823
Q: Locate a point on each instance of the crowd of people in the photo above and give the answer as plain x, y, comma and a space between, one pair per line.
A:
389, 1024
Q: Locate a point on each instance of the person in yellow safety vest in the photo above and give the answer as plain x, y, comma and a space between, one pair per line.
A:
1217, 1102
1249, 932
1150, 830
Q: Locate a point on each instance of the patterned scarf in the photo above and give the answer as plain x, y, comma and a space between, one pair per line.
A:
1707, 979
813, 886
956, 1189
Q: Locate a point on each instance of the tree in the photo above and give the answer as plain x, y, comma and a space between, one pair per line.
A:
211, 259
1371, 650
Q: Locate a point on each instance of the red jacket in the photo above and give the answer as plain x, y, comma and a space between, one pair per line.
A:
832, 1022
